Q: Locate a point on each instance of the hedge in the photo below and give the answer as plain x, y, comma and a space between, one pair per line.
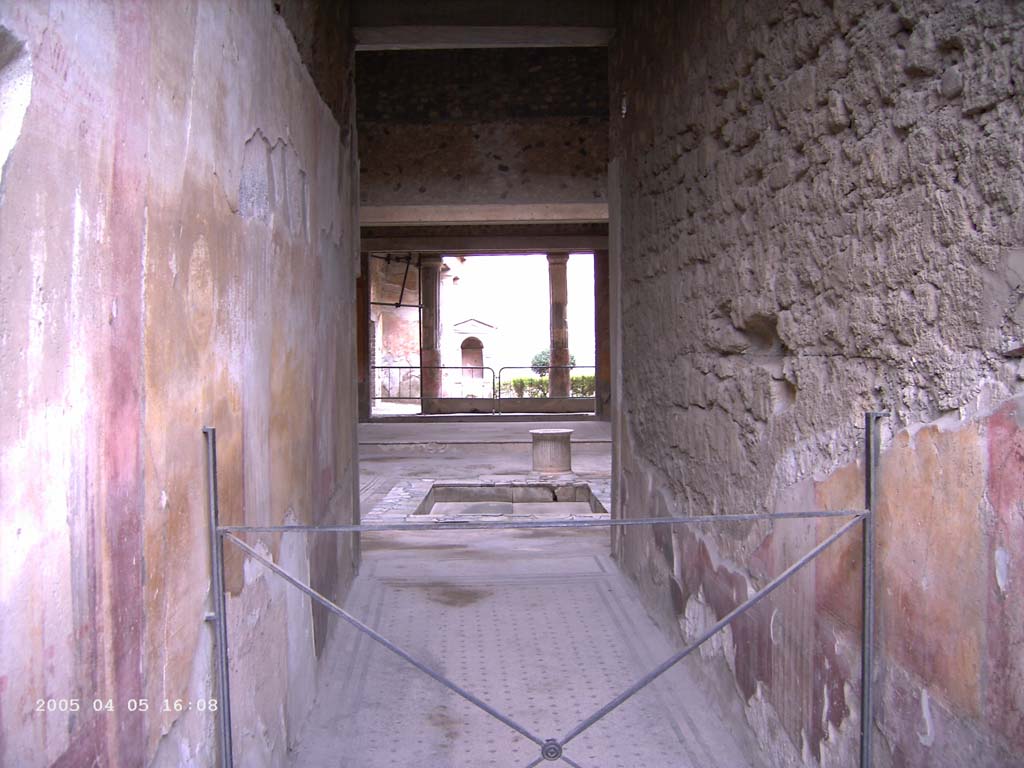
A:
532, 386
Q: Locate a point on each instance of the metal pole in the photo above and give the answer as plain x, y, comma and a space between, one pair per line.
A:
670, 662
219, 616
603, 522
405, 279
867, 703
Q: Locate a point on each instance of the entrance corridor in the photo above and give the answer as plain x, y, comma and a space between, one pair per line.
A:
538, 623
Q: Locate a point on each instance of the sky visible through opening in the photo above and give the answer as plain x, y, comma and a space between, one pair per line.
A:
511, 294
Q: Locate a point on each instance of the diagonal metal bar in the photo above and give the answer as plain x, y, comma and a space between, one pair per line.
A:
514, 524
342, 613
563, 758
729, 617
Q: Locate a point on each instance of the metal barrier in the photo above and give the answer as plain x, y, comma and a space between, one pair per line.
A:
404, 383
452, 386
553, 749
542, 387
407, 388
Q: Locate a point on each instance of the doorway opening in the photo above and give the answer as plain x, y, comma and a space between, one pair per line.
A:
485, 333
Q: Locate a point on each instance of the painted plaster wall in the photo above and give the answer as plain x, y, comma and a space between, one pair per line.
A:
174, 252
821, 216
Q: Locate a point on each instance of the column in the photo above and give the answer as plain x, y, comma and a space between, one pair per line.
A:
559, 298
603, 376
364, 351
430, 331
618, 509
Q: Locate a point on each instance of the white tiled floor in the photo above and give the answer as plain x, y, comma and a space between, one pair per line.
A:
538, 623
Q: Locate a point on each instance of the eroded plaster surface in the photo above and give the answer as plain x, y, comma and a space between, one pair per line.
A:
820, 216
482, 126
175, 251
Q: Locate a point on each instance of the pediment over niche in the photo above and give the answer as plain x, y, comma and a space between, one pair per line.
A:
473, 327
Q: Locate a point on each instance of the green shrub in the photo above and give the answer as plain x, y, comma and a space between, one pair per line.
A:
542, 360
582, 386
530, 386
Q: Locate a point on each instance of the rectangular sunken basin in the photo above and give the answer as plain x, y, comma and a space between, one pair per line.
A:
510, 493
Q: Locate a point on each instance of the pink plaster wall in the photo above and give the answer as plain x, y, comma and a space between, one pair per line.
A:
175, 251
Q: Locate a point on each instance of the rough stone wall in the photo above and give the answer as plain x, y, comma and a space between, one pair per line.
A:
472, 127
174, 253
821, 216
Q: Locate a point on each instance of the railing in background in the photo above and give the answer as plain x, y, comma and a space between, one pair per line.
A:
580, 386
386, 385
457, 382
403, 383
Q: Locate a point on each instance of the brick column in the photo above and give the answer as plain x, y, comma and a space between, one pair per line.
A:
430, 330
559, 297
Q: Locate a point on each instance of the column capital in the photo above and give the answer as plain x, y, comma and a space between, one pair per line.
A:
431, 260
558, 257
